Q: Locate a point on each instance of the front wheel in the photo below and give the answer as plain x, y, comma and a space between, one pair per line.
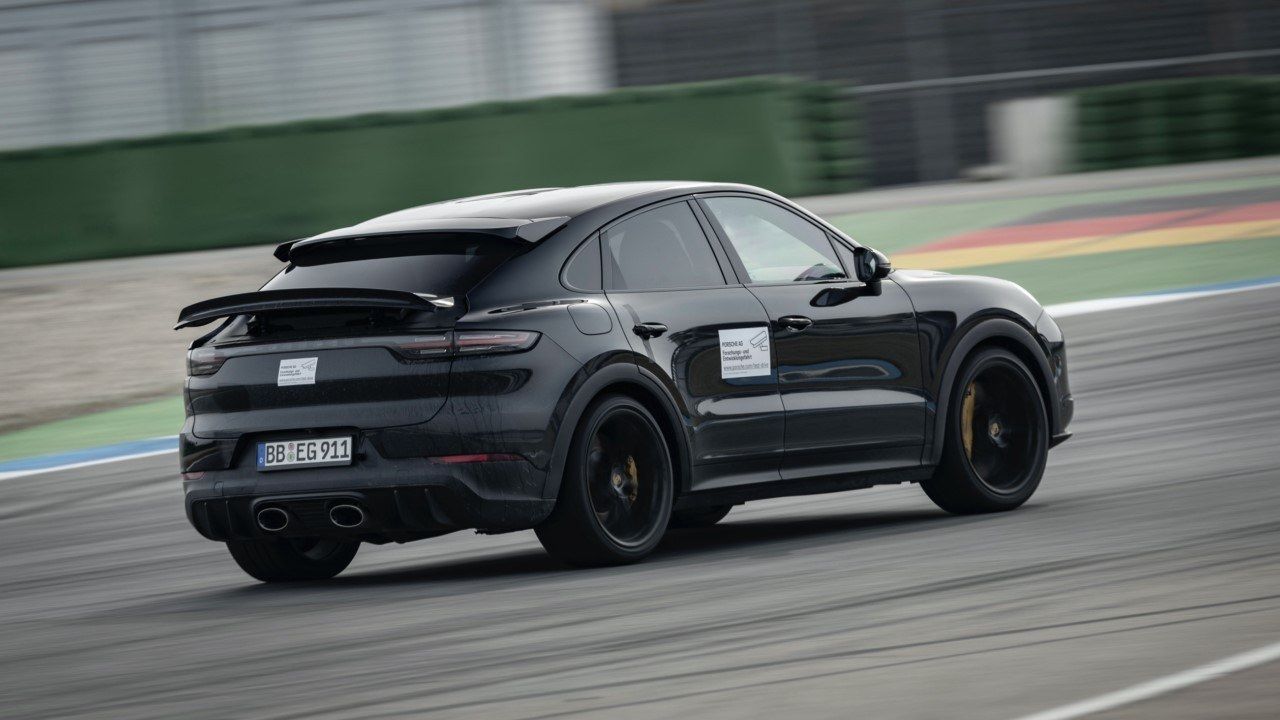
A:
997, 437
292, 559
615, 500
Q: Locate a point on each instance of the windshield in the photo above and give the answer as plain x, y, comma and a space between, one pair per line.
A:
444, 266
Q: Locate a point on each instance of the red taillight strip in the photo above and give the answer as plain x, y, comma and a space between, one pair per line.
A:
474, 458
207, 360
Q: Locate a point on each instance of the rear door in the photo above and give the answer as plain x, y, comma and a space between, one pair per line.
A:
704, 335
849, 373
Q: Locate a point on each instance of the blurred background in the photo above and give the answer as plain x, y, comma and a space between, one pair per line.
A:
152, 151
1083, 148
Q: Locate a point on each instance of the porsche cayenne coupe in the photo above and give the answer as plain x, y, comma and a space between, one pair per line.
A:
599, 364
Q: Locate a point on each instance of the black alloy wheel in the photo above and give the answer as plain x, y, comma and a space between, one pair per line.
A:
998, 426
615, 498
997, 437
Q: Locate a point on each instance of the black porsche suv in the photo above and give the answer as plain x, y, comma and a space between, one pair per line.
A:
598, 363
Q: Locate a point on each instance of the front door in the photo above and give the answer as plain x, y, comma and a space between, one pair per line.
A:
702, 333
849, 373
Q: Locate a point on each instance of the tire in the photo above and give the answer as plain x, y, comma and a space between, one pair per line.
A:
699, 517
615, 500
996, 442
293, 559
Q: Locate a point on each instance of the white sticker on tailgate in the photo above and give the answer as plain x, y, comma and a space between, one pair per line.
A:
297, 371
744, 352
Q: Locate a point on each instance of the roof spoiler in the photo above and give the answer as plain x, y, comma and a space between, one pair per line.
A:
205, 312
530, 231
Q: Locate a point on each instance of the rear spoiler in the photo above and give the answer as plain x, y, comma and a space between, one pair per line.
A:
385, 228
205, 312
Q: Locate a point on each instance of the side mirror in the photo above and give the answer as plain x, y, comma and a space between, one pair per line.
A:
871, 266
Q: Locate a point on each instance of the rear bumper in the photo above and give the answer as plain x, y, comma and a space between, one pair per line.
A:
402, 499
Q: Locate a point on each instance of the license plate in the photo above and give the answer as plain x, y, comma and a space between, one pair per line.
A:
312, 452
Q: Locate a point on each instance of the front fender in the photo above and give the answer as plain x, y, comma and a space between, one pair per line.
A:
1005, 332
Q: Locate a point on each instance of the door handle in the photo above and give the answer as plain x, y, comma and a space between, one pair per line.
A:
794, 322
649, 330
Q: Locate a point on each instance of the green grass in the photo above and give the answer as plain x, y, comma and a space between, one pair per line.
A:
137, 422
892, 231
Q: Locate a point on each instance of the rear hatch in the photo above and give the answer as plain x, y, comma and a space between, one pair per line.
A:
352, 335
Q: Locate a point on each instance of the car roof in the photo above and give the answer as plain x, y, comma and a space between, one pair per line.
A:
539, 202
525, 205
528, 215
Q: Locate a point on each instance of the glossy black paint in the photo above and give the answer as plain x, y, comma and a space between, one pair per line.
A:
855, 398
734, 426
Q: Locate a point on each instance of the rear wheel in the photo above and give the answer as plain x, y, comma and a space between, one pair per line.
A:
699, 517
615, 500
291, 559
997, 437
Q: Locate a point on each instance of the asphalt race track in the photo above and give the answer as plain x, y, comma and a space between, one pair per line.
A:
1152, 547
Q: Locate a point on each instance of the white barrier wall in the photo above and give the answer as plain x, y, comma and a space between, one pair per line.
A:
1032, 137
83, 70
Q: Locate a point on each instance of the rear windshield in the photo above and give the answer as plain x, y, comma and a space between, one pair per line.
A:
445, 266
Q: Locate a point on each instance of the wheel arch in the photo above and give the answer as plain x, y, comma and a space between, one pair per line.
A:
629, 380
994, 332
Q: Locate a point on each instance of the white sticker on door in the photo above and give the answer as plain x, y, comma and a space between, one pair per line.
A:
297, 371
744, 352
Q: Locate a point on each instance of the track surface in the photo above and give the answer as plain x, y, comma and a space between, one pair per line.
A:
1153, 546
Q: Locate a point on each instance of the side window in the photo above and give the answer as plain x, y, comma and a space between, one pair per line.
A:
660, 249
582, 272
774, 244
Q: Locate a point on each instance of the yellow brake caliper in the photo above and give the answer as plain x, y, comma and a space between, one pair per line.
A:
966, 421
633, 479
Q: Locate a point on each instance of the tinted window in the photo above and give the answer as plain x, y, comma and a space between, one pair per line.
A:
775, 244
661, 248
448, 266
582, 272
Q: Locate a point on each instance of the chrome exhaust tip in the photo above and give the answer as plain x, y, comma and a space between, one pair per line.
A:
346, 516
272, 519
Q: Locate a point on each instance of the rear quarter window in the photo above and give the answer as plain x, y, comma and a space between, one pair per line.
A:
582, 272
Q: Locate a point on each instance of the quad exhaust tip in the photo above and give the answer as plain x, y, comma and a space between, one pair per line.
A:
346, 516
272, 519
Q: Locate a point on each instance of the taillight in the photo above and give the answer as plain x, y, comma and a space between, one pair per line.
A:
207, 360
425, 346
493, 341
467, 342
204, 361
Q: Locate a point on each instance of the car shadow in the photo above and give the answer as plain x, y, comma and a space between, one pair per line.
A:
520, 563
756, 535
764, 533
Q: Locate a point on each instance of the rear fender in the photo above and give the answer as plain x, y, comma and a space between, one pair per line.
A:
625, 375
